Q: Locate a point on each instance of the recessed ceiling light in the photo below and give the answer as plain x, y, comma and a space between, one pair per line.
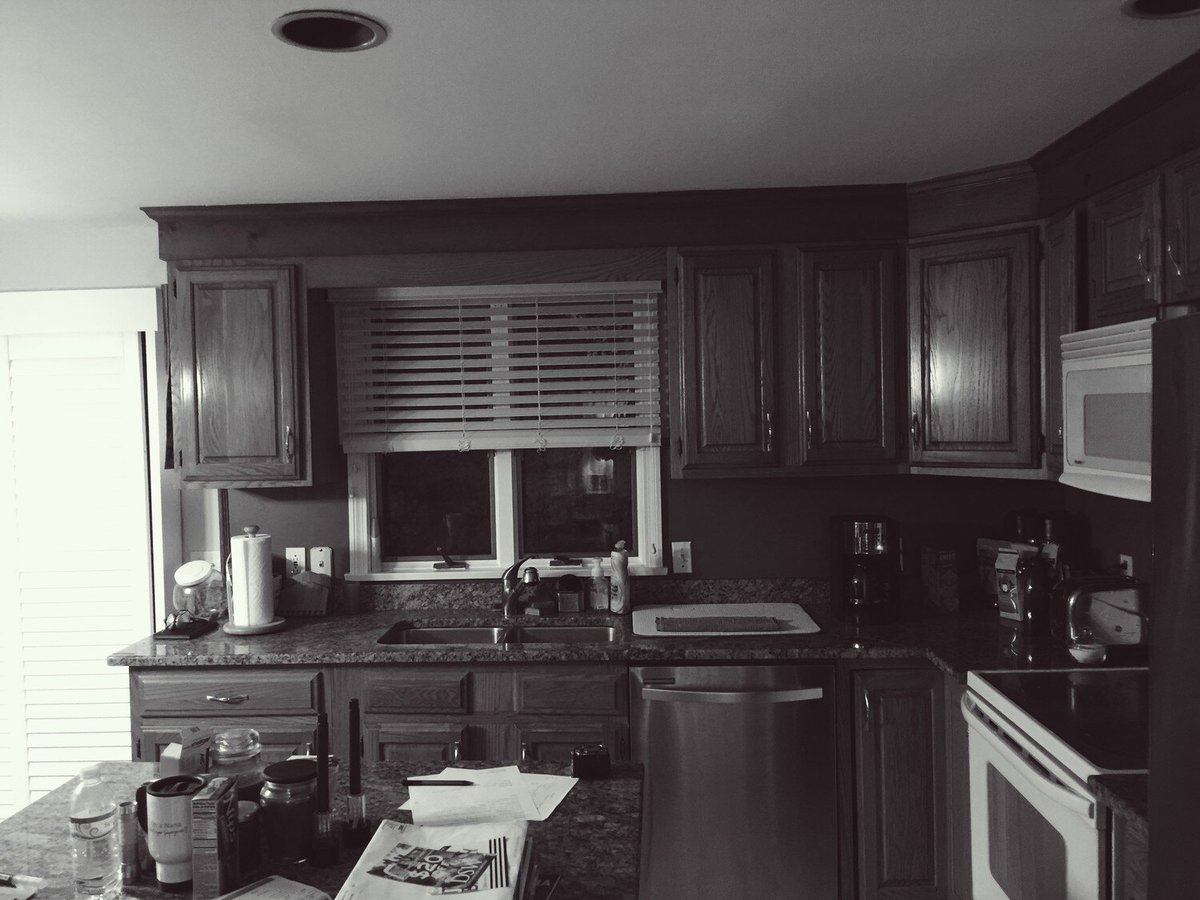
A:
1160, 9
331, 30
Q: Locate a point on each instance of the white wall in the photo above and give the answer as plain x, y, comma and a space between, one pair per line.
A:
66, 255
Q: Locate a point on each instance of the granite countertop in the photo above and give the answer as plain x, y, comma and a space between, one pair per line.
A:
1126, 795
955, 643
591, 841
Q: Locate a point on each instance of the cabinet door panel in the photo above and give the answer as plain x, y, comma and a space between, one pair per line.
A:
224, 692
416, 690
726, 365
1183, 232
235, 376
973, 346
417, 741
566, 692
1124, 253
281, 736
1061, 317
554, 743
849, 356
900, 790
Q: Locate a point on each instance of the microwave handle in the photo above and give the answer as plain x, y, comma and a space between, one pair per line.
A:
1080, 805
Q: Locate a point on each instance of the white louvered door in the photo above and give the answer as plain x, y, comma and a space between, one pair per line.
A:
75, 570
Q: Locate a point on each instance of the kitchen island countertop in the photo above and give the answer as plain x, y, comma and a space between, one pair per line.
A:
955, 643
590, 841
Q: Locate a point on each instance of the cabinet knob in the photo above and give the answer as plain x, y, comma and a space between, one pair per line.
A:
455, 751
524, 751
808, 428
770, 432
287, 442
916, 431
1142, 254
1172, 248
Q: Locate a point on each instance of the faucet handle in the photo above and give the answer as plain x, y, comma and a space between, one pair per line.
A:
531, 576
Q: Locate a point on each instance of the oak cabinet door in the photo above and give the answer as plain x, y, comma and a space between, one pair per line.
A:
280, 736
973, 351
1125, 253
550, 741
900, 785
240, 407
723, 345
1183, 231
409, 741
1060, 317
848, 346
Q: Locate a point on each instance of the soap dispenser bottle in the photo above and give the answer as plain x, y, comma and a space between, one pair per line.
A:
619, 600
598, 587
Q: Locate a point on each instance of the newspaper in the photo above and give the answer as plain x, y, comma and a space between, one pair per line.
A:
406, 861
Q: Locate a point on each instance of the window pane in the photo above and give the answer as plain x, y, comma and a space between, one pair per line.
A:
576, 502
436, 499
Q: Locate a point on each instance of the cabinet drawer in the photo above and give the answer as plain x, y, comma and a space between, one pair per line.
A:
280, 736
443, 691
224, 692
569, 692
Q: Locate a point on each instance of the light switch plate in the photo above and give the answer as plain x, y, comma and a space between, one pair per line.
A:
297, 559
321, 559
681, 557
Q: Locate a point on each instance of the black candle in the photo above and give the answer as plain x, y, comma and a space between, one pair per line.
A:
322, 763
355, 750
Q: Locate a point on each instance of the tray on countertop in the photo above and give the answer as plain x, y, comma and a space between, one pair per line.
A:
792, 619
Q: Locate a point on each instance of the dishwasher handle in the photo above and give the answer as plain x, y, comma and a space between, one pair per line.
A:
686, 695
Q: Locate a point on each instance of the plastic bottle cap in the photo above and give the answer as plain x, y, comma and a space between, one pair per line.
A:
90, 772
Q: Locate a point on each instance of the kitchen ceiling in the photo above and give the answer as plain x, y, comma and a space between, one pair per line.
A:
107, 107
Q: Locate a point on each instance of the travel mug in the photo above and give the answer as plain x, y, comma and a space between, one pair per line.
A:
165, 814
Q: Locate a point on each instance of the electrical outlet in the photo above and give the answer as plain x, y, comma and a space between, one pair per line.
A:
1126, 563
681, 557
297, 560
321, 559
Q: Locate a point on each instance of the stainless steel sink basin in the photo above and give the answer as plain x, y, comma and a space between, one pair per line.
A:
567, 634
404, 633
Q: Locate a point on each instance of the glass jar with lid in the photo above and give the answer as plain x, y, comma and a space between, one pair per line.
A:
199, 590
237, 754
289, 803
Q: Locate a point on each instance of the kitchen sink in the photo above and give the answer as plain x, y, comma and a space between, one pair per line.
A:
404, 633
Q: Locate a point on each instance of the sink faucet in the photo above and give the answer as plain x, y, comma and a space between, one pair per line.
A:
511, 587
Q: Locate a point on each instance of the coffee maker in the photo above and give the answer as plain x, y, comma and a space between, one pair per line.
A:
866, 567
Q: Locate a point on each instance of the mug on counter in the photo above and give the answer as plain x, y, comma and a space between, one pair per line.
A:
165, 814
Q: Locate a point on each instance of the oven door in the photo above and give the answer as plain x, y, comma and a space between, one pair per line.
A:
1035, 832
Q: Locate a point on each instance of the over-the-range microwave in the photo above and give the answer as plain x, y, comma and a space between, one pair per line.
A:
1106, 378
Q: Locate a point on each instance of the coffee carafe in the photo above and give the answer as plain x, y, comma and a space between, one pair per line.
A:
866, 567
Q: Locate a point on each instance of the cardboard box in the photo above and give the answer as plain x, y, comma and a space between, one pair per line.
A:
189, 755
215, 839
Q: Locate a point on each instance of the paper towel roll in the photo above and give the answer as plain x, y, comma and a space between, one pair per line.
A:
251, 600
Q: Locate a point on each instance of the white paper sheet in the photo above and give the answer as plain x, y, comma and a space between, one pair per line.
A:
497, 795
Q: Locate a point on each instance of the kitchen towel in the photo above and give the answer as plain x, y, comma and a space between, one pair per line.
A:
252, 595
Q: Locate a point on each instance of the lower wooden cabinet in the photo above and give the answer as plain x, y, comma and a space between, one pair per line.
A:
1130, 861
900, 783
281, 736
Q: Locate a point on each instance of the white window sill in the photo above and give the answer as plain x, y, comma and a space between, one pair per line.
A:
490, 573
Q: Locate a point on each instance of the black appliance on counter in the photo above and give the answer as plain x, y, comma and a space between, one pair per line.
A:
866, 568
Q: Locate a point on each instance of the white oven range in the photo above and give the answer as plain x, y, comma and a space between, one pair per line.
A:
1034, 739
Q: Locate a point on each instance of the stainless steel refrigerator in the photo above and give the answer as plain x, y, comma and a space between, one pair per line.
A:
1175, 611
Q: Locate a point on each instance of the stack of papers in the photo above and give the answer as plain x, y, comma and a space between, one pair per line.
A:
495, 795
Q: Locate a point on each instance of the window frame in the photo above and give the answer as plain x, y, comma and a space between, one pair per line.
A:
365, 565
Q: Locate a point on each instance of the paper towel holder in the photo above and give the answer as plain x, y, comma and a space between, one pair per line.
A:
274, 623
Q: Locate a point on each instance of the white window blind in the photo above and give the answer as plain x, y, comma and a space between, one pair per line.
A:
75, 579
498, 367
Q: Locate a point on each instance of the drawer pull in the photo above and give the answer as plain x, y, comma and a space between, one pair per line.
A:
455, 751
235, 700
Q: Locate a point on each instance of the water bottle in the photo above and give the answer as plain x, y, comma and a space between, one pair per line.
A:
95, 838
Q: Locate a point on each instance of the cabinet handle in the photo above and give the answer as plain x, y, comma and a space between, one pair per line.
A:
455, 751
1143, 252
916, 432
808, 428
1172, 245
287, 441
770, 433
235, 700
867, 708
524, 751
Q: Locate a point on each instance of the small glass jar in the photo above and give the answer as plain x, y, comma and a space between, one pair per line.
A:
237, 754
199, 590
289, 802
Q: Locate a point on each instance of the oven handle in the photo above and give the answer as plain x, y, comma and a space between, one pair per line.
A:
1080, 804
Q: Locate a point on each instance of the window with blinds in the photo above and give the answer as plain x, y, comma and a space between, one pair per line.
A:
498, 367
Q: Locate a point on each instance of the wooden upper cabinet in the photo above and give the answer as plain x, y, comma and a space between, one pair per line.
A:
1182, 281
238, 382
848, 380
724, 359
1125, 252
973, 351
1060, 316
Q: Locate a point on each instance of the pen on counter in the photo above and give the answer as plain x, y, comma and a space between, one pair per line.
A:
434, 782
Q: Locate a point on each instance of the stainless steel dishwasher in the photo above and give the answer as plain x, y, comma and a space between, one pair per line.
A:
739, 797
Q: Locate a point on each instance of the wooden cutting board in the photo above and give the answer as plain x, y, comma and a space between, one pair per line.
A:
793, 619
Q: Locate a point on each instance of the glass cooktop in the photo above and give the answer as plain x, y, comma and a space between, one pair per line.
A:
1102, 714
